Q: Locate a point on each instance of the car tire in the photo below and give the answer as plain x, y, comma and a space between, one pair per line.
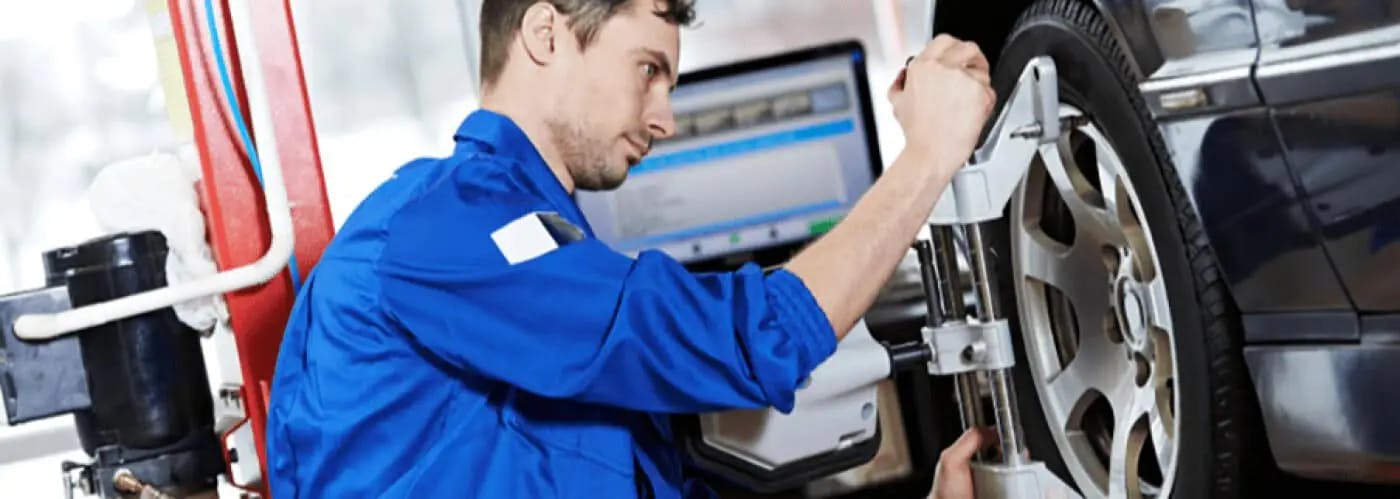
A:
1218, 436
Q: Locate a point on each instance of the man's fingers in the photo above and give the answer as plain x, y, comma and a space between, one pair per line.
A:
989, 436
896, 91
991, 106
966, 55
962, 450
981, 76
898, 84
934, 49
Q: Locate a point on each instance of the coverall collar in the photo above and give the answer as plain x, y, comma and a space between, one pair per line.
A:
495, 133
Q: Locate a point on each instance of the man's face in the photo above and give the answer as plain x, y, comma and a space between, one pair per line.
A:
616, 96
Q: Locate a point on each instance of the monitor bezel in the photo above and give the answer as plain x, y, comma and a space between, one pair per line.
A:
850, 47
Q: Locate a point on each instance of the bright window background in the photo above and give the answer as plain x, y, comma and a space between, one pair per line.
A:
389, 82
78, 90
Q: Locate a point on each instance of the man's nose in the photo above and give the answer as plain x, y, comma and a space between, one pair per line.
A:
661, 122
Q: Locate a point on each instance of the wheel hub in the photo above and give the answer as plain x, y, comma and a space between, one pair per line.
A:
1132, 313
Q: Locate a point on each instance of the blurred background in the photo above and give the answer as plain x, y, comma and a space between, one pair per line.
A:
389, 81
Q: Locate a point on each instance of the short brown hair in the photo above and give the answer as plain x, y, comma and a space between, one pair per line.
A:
500, 19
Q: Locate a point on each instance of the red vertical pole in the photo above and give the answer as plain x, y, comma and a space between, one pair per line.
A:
234, 207
296, 133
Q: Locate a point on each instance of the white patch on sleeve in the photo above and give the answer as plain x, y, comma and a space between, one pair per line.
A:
523, 239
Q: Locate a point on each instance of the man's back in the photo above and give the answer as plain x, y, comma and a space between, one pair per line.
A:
431, 354
383, 414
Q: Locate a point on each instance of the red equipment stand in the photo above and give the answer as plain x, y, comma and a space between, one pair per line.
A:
234, 207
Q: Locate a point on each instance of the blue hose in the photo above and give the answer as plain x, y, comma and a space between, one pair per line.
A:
238, 121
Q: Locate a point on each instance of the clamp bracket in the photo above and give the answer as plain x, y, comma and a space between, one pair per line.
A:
980, 190
1027, 480
960, 347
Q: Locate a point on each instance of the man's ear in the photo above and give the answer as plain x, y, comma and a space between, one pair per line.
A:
538, 29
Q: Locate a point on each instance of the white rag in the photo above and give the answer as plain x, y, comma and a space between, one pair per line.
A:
158, 192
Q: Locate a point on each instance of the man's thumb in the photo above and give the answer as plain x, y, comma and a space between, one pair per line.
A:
966, 446
897, 87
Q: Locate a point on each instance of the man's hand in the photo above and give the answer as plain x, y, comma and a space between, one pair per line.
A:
943, 96
942, 99
953, 478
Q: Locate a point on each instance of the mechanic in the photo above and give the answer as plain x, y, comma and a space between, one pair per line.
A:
466, 335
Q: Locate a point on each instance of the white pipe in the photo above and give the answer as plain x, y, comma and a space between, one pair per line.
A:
279, 251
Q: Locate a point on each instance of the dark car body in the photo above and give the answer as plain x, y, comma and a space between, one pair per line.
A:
1283, 120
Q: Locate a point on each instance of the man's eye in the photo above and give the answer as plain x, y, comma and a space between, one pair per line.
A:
649, 70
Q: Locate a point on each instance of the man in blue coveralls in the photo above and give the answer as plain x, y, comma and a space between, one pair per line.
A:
466, 335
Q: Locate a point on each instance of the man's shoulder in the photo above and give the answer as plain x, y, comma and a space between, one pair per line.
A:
477, 196
450, 219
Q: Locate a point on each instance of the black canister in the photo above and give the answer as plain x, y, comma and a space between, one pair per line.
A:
146, 374
54, 261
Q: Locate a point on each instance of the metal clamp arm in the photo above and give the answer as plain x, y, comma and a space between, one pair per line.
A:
981, 189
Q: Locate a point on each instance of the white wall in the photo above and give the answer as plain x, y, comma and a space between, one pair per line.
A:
388, 81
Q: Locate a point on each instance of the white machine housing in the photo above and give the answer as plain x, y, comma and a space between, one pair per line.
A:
836, 409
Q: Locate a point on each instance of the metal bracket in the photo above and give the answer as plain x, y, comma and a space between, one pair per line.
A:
961, 347
228, 407
980, 190
1029, 480
78, 478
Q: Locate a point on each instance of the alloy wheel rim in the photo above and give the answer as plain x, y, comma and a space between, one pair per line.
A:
1095, 316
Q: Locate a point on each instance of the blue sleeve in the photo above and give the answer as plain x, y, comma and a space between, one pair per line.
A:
585, 323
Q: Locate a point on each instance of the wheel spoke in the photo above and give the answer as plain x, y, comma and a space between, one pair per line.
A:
1123, 392
1070, 389
1085, 204
1129, 435
1144, 264
1095, 368
1162, 439
1088, 294
1115, 197
1119, 205
1162, 408
1078, 273
1160, 315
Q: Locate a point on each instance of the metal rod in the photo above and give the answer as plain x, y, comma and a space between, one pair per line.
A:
987, 306
1003, 393
969, 401
943, 286
945, 256
928, 275
1008, 420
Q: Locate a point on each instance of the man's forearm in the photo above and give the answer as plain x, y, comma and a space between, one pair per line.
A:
846, 268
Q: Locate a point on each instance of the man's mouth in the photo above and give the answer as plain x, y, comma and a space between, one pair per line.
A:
642, 146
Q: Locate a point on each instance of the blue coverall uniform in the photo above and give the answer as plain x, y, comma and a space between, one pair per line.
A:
421, 360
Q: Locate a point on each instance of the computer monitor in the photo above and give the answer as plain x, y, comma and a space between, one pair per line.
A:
769, 154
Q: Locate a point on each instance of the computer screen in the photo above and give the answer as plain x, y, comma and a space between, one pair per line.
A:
768, 152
